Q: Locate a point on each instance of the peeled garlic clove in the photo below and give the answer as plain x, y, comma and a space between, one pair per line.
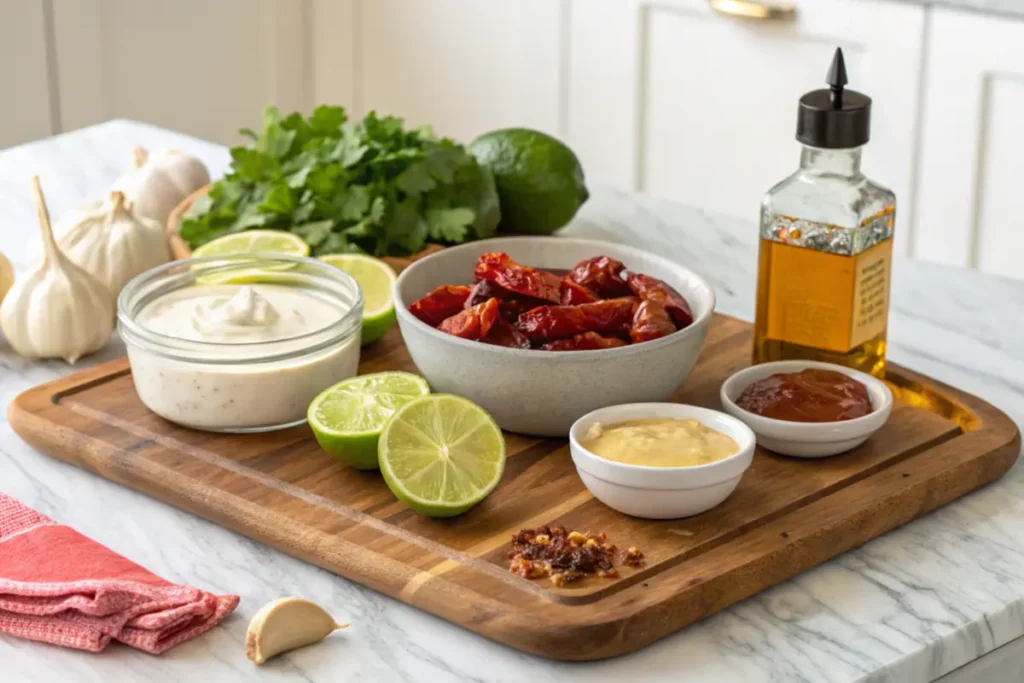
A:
285, 624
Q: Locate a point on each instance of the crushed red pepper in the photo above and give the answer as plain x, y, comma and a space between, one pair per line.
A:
566, 556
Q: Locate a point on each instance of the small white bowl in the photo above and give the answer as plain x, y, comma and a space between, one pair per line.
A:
661, 492
808, 439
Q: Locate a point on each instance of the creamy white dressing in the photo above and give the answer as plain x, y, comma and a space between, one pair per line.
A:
238, 314
246, 391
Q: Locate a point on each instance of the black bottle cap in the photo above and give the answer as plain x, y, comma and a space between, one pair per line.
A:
835, 118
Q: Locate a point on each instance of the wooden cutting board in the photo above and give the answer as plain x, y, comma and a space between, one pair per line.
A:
786, 516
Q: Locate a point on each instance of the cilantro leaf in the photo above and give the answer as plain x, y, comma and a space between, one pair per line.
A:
415, 179
250, 164
354, 202
279, 201
449, 225
314, 233
369, 186
326, 120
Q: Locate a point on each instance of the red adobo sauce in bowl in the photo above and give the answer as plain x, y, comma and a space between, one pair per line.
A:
810, 395
807, 409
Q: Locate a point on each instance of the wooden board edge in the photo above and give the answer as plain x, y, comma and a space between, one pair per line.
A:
561, 635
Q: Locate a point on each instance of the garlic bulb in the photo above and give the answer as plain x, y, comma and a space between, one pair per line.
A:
112, 243
160, 181
57, 309
6, 276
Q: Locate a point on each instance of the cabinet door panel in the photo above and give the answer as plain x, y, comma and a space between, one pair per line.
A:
702, 107
970, 201
204, 68
462, 66
24, 78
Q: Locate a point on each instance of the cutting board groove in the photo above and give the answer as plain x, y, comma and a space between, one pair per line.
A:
786, 516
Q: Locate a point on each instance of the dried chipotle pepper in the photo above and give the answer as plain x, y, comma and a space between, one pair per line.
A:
555, 322
588, 341
499, 268
511, 304
652, 289
602, 275
574, 293
472, 323
517, 306
650, 321
440, 304
504, 333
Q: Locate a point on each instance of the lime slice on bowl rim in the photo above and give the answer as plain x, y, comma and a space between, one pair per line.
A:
251, 242
254, 241
347, 418
441, 454
376, 279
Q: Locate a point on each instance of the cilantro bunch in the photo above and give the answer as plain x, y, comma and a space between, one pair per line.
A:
365, 187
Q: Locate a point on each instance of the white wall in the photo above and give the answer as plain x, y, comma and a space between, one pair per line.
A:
666, 97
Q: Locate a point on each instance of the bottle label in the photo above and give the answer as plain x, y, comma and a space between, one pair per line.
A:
828, 301
871, 293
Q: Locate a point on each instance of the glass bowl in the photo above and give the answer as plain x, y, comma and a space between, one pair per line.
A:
223, 386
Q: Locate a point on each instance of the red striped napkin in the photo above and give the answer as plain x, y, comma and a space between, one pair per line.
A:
60, 587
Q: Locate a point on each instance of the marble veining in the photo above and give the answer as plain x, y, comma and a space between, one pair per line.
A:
907, 607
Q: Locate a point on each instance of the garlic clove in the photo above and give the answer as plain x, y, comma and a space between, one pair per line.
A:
286, 624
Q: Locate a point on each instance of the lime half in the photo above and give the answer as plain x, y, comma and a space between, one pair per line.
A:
347, 418
375, 278
441, 454
253, 241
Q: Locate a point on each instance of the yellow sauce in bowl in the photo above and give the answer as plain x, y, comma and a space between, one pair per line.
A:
659, 442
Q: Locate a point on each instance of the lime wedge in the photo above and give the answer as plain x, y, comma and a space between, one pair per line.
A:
253, 241
347, 418
441, 454
375, 278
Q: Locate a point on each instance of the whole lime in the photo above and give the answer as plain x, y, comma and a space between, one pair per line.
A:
539, 179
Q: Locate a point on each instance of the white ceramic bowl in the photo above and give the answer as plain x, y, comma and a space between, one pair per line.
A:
661, 492
544, 392
807, 439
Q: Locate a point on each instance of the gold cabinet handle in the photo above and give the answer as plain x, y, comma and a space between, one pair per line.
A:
747, 9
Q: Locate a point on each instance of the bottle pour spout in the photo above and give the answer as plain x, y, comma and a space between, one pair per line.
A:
836, 79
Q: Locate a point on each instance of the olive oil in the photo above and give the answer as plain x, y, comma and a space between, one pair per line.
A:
826, 237
824, 303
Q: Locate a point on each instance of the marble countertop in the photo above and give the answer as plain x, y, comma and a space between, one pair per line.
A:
908, 607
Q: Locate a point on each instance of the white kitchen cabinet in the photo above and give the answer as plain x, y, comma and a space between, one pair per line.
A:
970, 198
24, 77
462, 66
204, 68
672, 98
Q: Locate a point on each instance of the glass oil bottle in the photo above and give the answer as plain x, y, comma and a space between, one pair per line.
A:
826, 238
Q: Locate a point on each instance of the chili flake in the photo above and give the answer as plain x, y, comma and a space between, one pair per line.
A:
565, 556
